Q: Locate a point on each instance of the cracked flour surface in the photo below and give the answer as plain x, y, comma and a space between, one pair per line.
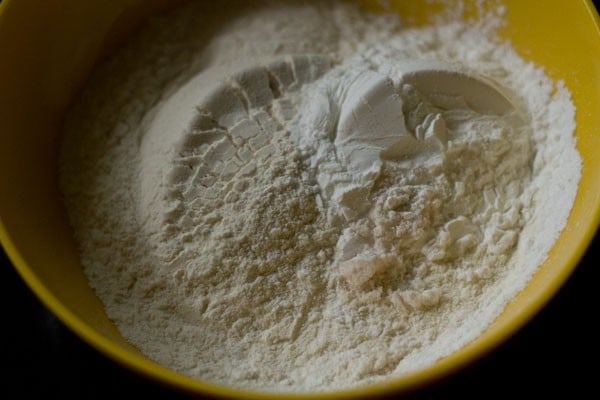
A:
263, 198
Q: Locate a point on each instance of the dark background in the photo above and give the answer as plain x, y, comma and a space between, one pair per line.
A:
555, 354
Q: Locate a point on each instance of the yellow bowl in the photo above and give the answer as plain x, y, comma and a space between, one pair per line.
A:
48, 48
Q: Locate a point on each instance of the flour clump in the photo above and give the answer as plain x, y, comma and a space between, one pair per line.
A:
301, 196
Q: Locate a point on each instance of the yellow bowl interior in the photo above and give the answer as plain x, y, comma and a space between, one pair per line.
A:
47, 50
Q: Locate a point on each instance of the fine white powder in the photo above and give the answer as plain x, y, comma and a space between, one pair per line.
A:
281, 196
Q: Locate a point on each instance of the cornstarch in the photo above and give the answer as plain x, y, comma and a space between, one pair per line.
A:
301, 196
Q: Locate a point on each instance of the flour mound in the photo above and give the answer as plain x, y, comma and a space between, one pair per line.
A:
278, 195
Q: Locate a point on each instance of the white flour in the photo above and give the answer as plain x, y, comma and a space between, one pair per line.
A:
269, 198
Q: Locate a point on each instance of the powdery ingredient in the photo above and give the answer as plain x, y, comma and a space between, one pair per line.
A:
286, 198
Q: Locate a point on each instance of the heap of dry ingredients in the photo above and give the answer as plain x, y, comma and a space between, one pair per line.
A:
305, 196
